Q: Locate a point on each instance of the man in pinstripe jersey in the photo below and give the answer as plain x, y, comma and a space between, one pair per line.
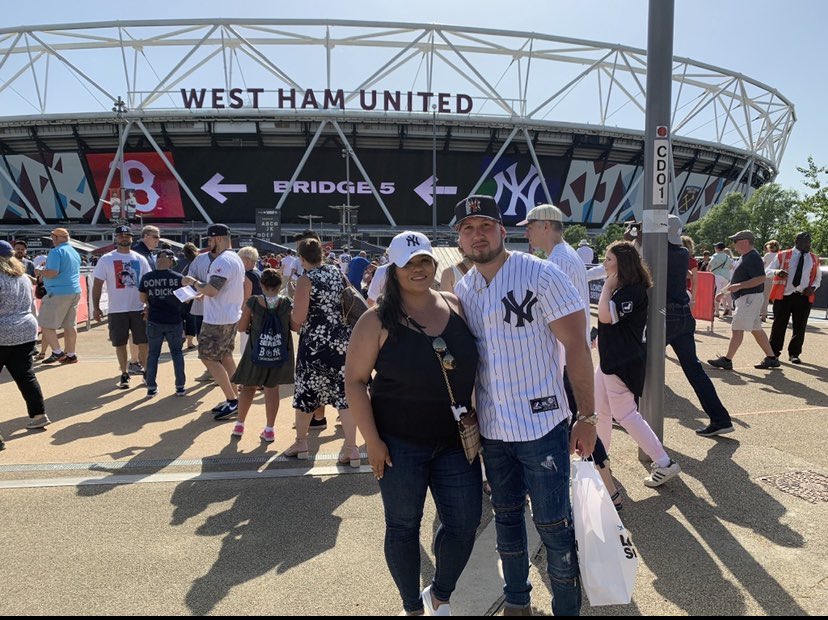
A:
522, 310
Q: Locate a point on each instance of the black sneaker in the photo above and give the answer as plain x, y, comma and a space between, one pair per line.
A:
318, 425
226, 410
721, 362
712, 430
54, 357
768, 362
123, 384
795, 359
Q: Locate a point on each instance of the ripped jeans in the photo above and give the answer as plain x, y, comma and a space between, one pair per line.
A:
541, 469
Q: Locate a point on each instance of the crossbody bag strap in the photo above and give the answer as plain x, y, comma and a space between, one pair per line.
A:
420, 329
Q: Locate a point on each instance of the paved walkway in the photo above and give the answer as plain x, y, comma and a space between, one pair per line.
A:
126, 505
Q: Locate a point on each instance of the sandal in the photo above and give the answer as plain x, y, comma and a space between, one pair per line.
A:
298, 449
350, 455
617, 501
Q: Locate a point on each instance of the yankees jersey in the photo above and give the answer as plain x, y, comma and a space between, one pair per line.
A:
565, 258
519, 389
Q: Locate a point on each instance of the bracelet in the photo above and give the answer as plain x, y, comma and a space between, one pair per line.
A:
589, 419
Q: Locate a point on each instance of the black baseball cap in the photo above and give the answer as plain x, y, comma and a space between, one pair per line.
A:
165, 253
218, 230
477, 206
123, 230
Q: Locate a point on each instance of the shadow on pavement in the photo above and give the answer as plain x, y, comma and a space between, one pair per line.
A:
263, 532
681, 555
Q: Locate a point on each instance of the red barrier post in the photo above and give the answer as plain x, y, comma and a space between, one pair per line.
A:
703, 310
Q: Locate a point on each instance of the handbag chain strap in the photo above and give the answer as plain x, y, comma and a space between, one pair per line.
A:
420, 329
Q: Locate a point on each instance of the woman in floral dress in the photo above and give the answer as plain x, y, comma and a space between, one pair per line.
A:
323, 341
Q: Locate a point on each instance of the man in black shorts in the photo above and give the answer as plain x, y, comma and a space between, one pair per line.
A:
121, 270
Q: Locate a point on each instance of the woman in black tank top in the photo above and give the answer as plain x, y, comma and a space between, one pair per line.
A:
413, 443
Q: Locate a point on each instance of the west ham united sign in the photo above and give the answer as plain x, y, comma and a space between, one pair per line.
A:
292, 99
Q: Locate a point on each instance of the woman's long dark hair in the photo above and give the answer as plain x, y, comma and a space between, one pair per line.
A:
631, 269
390, 309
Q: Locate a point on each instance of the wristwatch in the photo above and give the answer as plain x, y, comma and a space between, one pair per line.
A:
589, 419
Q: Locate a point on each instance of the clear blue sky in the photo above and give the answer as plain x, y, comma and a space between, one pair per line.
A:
780, 44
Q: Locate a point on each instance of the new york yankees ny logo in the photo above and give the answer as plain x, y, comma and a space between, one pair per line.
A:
472, 206
522, 310
412, 240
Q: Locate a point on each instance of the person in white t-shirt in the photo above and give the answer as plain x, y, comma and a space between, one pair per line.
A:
377, 286
585, 252
223, 297
121, 270
291, 272
344, 260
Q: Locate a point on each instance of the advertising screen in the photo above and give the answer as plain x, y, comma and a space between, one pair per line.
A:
147, 180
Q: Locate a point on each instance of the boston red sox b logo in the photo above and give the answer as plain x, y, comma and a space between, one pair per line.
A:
523, 310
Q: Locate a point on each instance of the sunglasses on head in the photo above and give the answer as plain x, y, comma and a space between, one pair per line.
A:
440, 347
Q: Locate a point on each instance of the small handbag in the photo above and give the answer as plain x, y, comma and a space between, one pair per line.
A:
40, 290
353, 304
466, 418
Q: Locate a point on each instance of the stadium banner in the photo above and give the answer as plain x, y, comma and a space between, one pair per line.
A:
156, 193
54, 184
233, 185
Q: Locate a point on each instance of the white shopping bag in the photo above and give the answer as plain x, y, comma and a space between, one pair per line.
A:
607, 558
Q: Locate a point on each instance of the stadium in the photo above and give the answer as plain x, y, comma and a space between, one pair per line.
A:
275, 125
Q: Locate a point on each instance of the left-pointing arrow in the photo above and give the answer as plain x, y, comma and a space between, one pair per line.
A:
214, 188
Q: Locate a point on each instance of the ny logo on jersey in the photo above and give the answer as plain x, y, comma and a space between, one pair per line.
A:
412, 240
522, 310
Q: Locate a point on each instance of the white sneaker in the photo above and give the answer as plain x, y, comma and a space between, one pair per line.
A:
660, 475
443, 610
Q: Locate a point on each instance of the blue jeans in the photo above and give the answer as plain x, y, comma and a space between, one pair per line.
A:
156, 334
681, 329
541, 468
456, 488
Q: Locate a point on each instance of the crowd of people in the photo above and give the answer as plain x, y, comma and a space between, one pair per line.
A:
501, 342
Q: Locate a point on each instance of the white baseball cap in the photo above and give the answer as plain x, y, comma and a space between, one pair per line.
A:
406, 246
544, 213
674, 229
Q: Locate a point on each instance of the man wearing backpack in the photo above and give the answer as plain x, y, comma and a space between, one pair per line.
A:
164, 313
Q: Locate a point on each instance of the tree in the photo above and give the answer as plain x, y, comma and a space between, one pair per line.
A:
814, 207
722, 220
573, 234
772, 208
613, 232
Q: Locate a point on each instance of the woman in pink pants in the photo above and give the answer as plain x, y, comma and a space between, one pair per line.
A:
619, 378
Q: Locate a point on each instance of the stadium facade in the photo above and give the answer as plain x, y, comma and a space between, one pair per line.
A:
213, 120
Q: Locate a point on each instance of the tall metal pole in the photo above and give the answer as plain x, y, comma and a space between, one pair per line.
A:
433, 172
656, 198
347, 176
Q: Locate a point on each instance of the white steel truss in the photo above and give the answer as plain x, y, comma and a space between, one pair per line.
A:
517, 79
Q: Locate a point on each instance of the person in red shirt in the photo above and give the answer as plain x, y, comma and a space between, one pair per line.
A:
692, 268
